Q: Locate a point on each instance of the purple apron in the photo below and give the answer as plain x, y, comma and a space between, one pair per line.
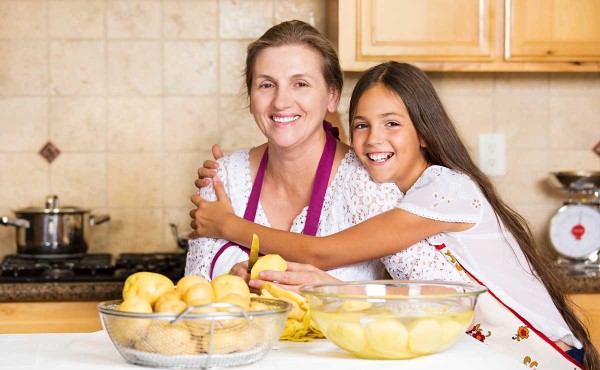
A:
316, 198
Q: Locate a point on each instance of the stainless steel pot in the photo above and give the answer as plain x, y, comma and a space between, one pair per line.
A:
52, 231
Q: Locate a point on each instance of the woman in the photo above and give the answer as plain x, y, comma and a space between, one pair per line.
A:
293, 78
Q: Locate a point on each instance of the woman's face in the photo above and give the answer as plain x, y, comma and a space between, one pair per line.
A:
385, 139
289, 96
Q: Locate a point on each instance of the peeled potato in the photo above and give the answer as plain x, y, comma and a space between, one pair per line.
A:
347, 335
425, 336
258, 306
451, 329
269, 262
387, 337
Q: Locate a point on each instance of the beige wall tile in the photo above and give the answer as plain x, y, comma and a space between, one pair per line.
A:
522, 83
538, 216
181, 170
78, 179
133, 18
76, 19
232, 66
253, 18
191, 67
526, 177
191, 123
24, 179
190, 19
8, 234
568, 160
22, 19
472, 115
135, 180
136, 230
575, 84
134, 68
78, 124
77, 67
309, 11
23, 69
23, 124
467, 83
239, 128
181, 218
574, 122
97, 236
524, 120
134, 124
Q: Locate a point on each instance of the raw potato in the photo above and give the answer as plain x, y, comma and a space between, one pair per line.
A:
425, 336
199, 294
176, 306
173, 294
351, 306
228, 284
230, 336
147, 285
272, 262
387, 337
125, 330
167, 339
347, 335
235, 299
187, 281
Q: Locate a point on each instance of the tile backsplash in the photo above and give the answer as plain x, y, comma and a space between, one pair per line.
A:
134, 92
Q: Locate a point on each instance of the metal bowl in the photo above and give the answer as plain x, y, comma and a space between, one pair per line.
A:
577, 181
221, 335
393, 319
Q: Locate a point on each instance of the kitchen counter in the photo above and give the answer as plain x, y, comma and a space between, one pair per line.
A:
95, 351
103, 291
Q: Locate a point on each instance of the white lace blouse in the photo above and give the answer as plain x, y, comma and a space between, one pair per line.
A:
491, 255
350, 198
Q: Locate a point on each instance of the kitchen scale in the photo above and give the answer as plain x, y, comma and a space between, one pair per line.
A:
574, 230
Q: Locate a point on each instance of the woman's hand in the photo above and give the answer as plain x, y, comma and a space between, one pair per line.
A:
296, 275
209, 217
209, 169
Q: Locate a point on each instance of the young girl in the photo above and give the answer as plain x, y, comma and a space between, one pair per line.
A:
401, 133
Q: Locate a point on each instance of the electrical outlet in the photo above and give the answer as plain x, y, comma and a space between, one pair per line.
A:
492, 154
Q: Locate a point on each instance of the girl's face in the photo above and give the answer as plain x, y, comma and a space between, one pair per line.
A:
289, 96
385, 139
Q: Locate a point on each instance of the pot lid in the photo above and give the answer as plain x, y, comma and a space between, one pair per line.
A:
52, 207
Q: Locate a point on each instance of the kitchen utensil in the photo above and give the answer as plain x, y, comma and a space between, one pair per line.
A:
182, 240
52, 231
574, 230
393, 319
213, 338
253, 252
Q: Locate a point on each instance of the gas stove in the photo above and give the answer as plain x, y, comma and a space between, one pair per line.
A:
98, 267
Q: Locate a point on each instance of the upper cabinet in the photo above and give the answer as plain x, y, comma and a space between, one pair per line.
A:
468, 35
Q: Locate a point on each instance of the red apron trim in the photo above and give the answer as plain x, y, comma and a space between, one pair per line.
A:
539, 333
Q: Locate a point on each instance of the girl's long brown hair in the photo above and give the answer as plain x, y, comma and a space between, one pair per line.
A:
444, 147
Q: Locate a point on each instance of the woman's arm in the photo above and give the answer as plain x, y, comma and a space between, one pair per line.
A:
379, 236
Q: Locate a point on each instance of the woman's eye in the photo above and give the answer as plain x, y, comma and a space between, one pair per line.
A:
301, 84
265, 85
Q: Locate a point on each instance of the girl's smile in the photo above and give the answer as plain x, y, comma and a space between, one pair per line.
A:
385, 139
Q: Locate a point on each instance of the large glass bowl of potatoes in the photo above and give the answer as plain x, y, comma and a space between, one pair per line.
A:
393, 319
194, 324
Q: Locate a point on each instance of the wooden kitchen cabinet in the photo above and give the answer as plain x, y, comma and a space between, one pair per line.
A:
467, 35
590, 304
49, 317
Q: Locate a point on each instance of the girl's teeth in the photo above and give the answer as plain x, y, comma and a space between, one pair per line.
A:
285, 119
379, 157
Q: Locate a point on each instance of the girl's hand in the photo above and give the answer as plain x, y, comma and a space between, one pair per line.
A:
297, 275
209, 217
209, 169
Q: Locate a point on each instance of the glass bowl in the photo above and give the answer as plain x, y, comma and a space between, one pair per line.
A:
393, 319
213, 335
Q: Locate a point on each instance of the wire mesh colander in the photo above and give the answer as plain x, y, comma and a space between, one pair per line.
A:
228, 337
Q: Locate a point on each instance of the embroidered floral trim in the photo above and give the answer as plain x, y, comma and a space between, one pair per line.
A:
477, 333
522, 333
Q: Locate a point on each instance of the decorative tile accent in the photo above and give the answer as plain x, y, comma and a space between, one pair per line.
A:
50, 152
596, 148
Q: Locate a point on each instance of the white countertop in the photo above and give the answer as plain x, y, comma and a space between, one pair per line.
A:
95, 351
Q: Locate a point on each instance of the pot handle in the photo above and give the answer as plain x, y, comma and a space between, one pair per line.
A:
17, 222
99, 219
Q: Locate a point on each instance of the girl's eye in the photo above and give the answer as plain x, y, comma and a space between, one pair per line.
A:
358, 126
392, 123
